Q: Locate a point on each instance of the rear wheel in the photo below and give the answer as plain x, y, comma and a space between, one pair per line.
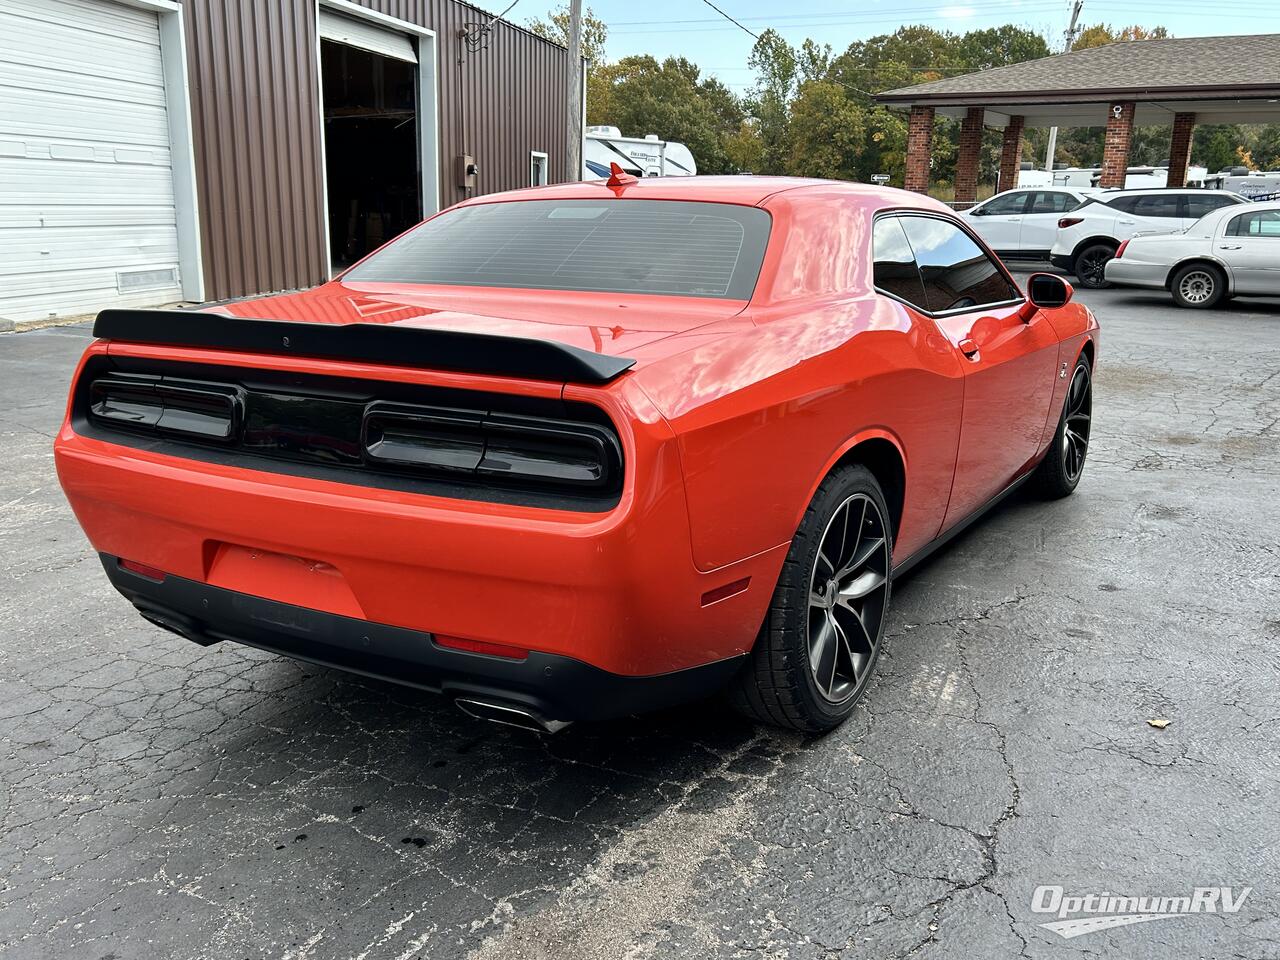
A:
821, 636
1060, 471
1198, 286
1091, 264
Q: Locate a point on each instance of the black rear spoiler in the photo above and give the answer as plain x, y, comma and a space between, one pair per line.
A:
368, 342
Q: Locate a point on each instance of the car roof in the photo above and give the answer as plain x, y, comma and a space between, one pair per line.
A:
1147, 191
747, 190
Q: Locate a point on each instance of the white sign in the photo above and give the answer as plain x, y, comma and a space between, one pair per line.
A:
879, 178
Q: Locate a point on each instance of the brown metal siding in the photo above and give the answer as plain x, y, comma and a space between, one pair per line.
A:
255, 106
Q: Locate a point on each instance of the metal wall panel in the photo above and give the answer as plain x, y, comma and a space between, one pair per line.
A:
255, 101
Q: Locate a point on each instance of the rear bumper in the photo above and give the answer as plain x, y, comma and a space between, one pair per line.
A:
617, 590
551, 687
1061, 260
1135, 273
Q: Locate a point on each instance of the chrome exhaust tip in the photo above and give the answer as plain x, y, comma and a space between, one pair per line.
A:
508, 715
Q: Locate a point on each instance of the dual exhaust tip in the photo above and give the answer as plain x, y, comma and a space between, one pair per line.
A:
509, 715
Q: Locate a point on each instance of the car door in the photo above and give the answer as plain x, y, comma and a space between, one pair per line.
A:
1250, 246
999, 220
1152, 213
1009, 362
1040, 222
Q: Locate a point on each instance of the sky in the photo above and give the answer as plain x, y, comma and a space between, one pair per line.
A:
692, 29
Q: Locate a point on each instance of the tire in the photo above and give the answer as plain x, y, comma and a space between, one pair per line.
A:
1198, 286
1059, 472
818, 647
1090, 263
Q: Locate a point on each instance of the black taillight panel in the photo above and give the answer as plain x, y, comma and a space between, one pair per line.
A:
495, 447
469, 444
206, 411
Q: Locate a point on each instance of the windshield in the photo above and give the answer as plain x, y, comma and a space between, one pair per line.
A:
609, 245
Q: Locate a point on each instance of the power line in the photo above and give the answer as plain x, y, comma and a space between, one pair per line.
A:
730, 19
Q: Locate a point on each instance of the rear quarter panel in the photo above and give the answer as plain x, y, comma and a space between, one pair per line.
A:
761, 424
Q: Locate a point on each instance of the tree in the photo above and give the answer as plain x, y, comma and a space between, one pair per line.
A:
774, 61
1101, 34
556, 28
826, 132
671, 99
1000, 46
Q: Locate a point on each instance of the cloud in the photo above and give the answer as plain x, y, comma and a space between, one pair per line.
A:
957, 13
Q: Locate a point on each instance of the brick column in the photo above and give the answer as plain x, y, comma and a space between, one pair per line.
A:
967, 158
919, 148
1011, 154
1115, 148
1184, 125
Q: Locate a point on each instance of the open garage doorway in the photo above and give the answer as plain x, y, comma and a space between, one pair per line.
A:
379, 118
372, 177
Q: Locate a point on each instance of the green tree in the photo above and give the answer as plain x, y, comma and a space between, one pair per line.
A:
556, 28
1000, 46
775, 64
827, 132
671, 99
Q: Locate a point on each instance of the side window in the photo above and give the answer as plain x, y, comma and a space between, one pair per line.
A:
1264, 223
1199, 204
957, 273
895, 265
1157, 205
1123, 204
1008, 205
1052, 201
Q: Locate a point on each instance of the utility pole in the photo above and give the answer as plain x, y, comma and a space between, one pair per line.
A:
1076, 7
573, 97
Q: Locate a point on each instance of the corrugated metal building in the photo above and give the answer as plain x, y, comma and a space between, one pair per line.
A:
156, 150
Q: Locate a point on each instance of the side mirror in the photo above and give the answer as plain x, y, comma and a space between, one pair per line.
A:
1048, 290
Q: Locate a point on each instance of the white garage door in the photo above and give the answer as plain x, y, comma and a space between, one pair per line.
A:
87, 216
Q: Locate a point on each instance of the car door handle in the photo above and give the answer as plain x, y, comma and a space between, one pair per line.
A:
1231, 246
1125, 221
968, 347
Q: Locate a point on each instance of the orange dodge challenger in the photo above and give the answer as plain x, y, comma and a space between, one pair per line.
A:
584, 450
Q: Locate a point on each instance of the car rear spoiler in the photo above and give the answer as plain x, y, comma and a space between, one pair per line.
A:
368, 342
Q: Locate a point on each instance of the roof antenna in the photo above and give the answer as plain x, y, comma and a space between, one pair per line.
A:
619, 177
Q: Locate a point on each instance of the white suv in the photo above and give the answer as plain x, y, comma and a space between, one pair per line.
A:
1089, 237
1022, 224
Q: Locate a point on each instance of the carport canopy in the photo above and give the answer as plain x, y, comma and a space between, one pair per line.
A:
1182, 82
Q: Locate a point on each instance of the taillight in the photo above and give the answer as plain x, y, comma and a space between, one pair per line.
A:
143, 570
1069, 222
535, 450
1120, 252
207, 411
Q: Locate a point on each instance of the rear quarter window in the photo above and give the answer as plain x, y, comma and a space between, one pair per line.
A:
674, 248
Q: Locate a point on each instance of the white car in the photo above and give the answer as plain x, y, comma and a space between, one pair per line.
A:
1228, 252
1022, 224
1090, 235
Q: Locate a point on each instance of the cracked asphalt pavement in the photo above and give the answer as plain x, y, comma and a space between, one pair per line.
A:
159, 800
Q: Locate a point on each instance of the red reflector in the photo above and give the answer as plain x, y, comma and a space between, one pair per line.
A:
143, 570
725, 592
1068, 222
1120, 252
481, 646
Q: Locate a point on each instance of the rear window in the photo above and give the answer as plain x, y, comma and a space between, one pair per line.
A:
610, 245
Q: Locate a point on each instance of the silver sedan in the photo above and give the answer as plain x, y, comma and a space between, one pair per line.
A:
1234, 251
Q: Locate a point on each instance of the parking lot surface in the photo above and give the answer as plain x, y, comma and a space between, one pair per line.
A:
162, 800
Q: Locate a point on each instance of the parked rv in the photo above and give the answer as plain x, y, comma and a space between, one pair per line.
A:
639, 156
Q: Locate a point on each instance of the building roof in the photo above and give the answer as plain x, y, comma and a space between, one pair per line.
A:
1173, 73
1173, 65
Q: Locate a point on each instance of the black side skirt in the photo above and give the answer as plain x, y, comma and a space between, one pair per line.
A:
930, 548
551, 687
